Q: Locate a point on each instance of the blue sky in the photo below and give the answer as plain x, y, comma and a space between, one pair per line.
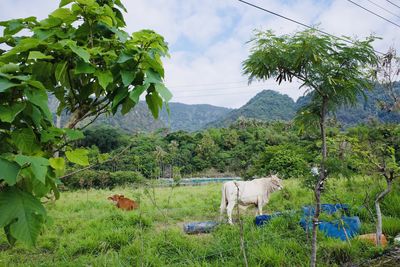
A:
208, 38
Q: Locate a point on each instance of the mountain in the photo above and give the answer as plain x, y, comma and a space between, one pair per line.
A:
182, 117
139, 119
270, 105
267, 105
366, 109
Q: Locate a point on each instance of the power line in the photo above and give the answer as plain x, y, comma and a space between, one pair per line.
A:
240, 93
300, 23
372, 12
225, 88
292, 20
381, 7
207, 84
393, 3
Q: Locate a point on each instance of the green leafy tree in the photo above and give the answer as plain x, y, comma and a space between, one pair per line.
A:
330, 68
81, 55
378, 149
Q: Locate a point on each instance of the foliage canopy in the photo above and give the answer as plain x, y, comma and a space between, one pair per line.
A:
81, 55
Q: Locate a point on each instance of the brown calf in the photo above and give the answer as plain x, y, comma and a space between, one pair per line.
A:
123, 203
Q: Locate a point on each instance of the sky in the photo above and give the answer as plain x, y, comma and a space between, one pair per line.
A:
208, 39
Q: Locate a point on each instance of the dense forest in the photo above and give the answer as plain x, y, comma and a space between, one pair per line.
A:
247, 148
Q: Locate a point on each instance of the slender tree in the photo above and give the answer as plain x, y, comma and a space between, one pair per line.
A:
378, 151
333, 70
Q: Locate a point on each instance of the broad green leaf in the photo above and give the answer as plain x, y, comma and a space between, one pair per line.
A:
127, 105
25, 140
154, 102
86, 2
137, 92
36, 84
6, 84
40, 99
9, 68
78, 156
121, 95
22, 46
82, 52
163, 91
127, 77
23, 212
119, 4
61, 73
50, 23
51, 134
83, 67
74, 135
8, 113
9, 171
124, 57
12, 26
104, 77
65, 2
58, 164
65, 14
106, 20
38, 55
152, 77
38, 166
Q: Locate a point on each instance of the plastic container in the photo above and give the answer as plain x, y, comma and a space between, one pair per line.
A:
199, 227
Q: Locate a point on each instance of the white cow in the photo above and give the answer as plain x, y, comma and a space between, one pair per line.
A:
255, 192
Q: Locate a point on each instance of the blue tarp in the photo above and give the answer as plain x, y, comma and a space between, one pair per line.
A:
339, 228
336, 228
349, 226
263, 219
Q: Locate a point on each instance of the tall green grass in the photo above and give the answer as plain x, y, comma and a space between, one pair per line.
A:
86, 229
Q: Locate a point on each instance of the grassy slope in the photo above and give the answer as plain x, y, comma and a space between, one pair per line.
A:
87, 229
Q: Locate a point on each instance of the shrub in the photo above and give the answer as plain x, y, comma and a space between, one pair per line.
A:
101, 179
286, 160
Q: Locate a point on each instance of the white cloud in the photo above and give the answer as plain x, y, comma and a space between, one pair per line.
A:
215, 33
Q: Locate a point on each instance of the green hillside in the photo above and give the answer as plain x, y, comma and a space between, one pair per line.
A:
267, 105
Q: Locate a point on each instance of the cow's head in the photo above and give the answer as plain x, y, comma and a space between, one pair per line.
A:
277, 183
115, 198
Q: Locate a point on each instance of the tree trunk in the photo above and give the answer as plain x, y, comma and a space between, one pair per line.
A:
378, 199
76, 117
320, 183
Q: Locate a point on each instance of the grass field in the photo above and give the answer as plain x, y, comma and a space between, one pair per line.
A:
87, 230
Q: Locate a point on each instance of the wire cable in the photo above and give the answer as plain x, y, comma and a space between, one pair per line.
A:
300, 23
372, 12
393, 3
381, 7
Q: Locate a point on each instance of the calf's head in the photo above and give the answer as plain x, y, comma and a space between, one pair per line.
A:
115, 198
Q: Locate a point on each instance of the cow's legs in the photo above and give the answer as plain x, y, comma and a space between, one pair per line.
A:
222, 209
229, 209
259, 205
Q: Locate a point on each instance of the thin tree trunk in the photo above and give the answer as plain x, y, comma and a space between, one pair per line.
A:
378, 199
320, 184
